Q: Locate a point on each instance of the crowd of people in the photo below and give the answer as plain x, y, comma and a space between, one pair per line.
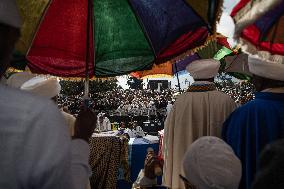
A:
241, 92
145, 101
209, 140
129, 102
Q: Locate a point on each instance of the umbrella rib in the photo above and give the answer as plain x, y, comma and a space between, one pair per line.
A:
143, 28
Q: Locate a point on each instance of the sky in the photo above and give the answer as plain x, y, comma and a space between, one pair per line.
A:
225, 27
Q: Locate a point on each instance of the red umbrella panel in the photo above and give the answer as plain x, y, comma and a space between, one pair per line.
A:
59, 47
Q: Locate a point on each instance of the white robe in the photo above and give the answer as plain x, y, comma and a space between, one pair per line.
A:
193, 115
105, 125
70, 120
36, 150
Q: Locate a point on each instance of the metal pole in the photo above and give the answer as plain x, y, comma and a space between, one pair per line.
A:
87, 78
179, 89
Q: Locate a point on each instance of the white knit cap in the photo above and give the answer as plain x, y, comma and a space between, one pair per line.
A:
42, 85
9, 13
18, 79
266, 69
203, 68
210, 163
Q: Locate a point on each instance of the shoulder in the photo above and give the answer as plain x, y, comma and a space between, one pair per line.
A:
67, 115
221, 95
23, 100
248, 107
242, 113
23, 107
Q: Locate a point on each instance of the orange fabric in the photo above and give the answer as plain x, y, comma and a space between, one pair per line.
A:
157, 69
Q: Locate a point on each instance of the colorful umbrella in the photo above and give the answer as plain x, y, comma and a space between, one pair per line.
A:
132, 35
260, 28
129, 35
217, 49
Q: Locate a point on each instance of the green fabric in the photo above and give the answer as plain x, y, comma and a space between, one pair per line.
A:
210, 50
120, 44
240, 76
222, 53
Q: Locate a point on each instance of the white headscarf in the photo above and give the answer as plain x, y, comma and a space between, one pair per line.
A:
18, 79
203, 69
266, 69
210, 163
42, 85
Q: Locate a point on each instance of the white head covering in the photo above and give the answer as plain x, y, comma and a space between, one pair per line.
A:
9, 13
266, 69
210, 163
203, 69
43, 85
18, 79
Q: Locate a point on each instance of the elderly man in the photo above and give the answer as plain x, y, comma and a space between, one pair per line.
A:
198, 112
36, 149
210, 163
259, 122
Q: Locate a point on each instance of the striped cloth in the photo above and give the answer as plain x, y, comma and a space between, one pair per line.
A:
201, 88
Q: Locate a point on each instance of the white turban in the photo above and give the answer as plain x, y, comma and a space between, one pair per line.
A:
203, 69
42, 85
210, 163
9, 13
18, 79
266, 69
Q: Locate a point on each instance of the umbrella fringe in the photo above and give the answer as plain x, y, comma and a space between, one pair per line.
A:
246, 46
157, 76
14, 70
91, 79
209, 39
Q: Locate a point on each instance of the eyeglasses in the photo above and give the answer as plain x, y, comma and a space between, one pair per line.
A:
187, 184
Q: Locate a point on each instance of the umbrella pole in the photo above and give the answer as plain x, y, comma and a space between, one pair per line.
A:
179, 89
87, 78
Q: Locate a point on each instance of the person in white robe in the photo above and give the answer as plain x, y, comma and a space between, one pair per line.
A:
169, 107
103, 123
36, 149
198, 112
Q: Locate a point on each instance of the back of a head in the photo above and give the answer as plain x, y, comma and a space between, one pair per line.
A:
271, 167
45, 86
203, 68
267, 74
18, 79
210, 163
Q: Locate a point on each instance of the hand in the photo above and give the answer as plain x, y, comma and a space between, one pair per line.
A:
85, 124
